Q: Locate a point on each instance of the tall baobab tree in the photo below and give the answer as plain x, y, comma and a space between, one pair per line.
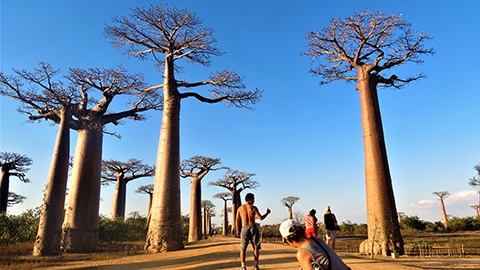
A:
168, 36
122, 173
147, 189
443, 195
197, 167
225, 196
45, 95
289, 202
208, 212
11, 164
362, 48
236, 181
81, 223
73, 104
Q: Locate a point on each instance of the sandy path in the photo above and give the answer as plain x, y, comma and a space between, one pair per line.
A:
222, 253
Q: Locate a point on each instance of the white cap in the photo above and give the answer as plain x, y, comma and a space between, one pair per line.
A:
285, 227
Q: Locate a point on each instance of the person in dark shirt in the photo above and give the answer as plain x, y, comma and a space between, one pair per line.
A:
331, 227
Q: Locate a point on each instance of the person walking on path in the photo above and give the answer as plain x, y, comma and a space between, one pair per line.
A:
331, 227
312, 253
249, 233
311, 227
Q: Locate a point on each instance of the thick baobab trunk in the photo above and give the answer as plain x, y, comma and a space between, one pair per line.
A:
225, 219
164, 230
80, 227
49, 233
236, 203
195, 224
383, 230
4, 187
119, 200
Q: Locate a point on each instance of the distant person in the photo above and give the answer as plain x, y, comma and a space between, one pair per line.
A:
312, 253
311, 226
331, 227
249, 233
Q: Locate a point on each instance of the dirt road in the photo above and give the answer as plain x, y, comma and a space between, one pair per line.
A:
222, 253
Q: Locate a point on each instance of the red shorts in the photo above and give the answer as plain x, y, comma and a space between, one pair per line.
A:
311, 231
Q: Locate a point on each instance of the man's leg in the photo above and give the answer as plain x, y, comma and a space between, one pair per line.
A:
256, 256
242, 257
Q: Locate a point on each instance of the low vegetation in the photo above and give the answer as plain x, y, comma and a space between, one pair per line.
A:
118, 238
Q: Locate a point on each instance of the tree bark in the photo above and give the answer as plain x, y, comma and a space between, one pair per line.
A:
290, 214
225, 219
49, 233
194, 228
383, 230
80, 227
4, 187
119, 200
444, 213
164, 230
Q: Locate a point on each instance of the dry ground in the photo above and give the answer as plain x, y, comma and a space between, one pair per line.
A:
222, 253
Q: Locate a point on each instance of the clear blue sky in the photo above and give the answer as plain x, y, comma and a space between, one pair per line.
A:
302, 139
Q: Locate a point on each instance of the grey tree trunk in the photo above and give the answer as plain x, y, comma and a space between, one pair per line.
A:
49, 232
383, 229
119, 200
164, 230
80, 227
195, 224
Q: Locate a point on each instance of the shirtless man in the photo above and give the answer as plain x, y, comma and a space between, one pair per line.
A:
249, 233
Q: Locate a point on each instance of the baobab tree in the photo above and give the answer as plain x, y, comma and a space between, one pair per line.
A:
208, 212
11, 164
475, 181
168, 36
289, 202
362, 48
197, 167
14, 198
42, 94
122, 173
147, 189
225, 196
476, 207
236, 181
81, 216
443, 195
71, 103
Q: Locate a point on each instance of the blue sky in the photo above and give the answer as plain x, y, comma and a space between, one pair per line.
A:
302, 139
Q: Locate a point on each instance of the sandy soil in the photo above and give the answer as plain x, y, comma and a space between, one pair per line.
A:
222, 253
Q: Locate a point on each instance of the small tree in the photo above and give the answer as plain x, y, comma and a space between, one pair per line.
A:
122, 173
362, 48
443, 195
197, 167
225, 196
147, 189
208, 212
289, 202
11, 164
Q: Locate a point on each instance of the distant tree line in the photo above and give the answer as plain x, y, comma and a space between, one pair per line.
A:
23, 228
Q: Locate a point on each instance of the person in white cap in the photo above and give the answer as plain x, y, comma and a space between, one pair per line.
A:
331, 226
312, 253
